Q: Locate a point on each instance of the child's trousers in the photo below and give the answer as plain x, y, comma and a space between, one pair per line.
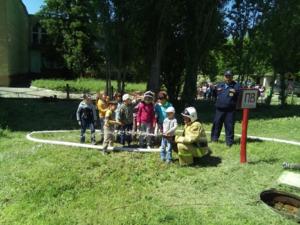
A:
145, 129
101, 127
108, 137
85, 125
166, 149
126, 134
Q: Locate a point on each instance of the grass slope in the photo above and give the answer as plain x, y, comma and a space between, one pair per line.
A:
45, 184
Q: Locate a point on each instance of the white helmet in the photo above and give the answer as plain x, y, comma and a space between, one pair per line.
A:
126, 96
191, 113
170, 109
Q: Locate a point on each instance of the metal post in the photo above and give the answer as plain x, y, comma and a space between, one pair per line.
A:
243, 153
68, 91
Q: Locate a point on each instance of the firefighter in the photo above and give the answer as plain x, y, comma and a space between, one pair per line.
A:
227, 96
193, 143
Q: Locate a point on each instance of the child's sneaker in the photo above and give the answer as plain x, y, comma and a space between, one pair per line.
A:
168, 161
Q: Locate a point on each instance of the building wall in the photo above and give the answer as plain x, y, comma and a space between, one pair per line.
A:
14, 39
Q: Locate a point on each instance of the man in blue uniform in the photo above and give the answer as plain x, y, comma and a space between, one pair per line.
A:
227, 96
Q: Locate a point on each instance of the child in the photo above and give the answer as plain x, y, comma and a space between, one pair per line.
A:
118, 99
161, 107
86, 117
125, 117
146, 118
169, 128
136, 101
102, 106
109, 125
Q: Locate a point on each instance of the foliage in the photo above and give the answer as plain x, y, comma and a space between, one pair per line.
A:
73, 28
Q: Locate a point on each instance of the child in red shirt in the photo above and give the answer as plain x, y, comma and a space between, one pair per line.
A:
146, 120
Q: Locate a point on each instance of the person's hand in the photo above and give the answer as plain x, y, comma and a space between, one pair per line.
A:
79, 122
138, 125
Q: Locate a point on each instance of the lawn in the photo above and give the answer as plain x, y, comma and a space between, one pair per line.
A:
84, 85
46, 184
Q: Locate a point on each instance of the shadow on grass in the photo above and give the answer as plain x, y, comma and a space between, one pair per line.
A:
268, 161
252, 140
38, 114
206, 111
50, 114
207, 161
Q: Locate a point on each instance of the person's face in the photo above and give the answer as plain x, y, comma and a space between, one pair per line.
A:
170, 115
148, 100
89, 100
128, 101
186, 120
107, 98
162, 100
113, 107
119, 98
228, 79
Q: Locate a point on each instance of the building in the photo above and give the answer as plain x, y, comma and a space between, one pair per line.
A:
24, 53
14, 40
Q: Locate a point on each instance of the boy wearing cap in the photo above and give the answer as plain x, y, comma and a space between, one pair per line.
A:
109, 125
86, 118
125, 117
169, 128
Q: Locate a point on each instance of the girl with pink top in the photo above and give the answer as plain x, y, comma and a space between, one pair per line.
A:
146, 120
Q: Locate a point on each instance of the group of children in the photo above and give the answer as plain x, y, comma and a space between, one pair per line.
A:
129, 115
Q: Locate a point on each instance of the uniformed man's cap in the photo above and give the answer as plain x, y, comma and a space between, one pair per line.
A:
228, 73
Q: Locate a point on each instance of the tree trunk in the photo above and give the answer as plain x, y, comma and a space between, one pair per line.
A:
269, 97
282, 89
190, 79
155, 68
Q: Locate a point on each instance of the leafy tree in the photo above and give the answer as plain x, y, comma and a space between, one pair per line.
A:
200, 24
72, 26
281, 27
242, 16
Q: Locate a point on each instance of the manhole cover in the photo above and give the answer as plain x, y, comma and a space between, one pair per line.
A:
283, 203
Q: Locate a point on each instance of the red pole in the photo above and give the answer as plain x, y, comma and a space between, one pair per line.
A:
243, 153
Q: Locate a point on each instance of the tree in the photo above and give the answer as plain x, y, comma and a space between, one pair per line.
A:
281, 27
201, 22
242, 16
72, 26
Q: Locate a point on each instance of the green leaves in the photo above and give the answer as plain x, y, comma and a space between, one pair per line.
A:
73, 27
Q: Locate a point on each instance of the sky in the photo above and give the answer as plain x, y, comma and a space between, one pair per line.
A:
33, 6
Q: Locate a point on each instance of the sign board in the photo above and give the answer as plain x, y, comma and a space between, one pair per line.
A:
247, 99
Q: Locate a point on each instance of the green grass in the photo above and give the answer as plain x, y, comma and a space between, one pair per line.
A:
46, 184
84, 85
